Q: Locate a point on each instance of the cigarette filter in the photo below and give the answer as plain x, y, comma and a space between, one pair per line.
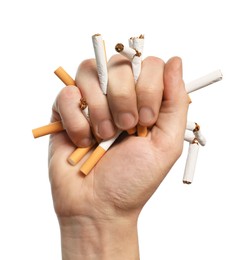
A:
52, 128
78, 154
142, 131
56, 126
204, 81
64, 77
191, 162
97, 154
101, 61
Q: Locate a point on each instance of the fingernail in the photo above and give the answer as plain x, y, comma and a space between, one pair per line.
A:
125, 121
106, 129
146, 115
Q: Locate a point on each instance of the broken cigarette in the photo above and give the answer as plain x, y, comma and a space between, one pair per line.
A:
189, 136
64, 77
204, 81
97, 154
134, 54
57, 126
191, 162
51, 128
78, 154
101, 61
101, 64
195, 128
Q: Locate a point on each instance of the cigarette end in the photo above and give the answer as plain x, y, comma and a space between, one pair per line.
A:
83, 104
51, 128
186, 182
119, 47
96, 35
189, 99
78, 154
142, 130
92, 160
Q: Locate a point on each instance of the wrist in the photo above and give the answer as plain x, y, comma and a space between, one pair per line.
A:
86, 238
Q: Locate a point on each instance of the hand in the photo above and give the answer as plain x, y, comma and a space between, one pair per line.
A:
115, 191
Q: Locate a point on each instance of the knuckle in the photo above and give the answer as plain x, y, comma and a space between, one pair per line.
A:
68, 93
87, 64
155, 60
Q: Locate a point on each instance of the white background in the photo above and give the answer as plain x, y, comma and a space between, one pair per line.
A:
200, 221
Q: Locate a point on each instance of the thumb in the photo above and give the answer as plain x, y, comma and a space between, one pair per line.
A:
168, 133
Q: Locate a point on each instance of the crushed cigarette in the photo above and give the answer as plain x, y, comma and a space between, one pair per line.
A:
195, 128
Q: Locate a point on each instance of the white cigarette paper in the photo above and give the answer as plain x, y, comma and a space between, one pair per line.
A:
189, 136
107, 144
137, 43
204, 81
126, 51
191, 162
101, 61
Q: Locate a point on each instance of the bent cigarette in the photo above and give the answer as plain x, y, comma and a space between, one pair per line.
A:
134, 53
51, 128
101, 61
127, 52
189, 136
97, 154
137, 43
195, 128
204, 81
191, 162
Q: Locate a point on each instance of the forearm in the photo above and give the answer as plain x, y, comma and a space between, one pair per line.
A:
84, 238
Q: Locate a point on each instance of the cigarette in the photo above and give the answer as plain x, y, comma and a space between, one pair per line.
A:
204, 81
64, 77
101, 60
189, 136
101, 63
97, 154
134, 53
51, 128
195, 128
127, 52
78, 154
56, 126
137, 43
191, 162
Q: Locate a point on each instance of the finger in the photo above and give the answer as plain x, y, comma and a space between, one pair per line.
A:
100, 117
149, 89
67, 107
170, 126
121, 93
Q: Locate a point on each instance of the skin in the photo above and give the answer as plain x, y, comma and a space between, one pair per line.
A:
98, 213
